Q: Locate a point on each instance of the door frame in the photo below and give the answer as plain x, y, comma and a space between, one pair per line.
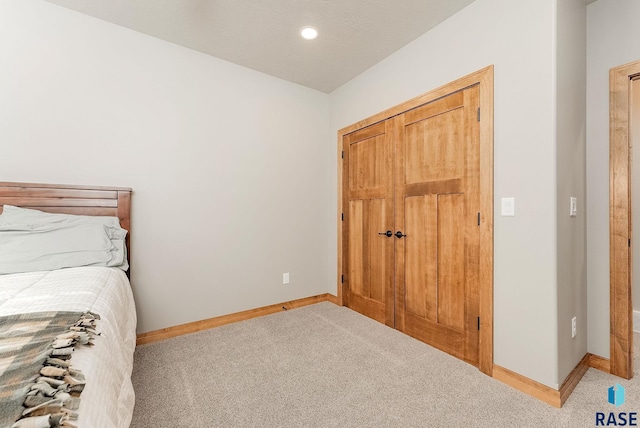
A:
484, 79
620, 231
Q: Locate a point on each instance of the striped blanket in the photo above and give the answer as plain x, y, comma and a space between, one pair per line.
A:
38, 386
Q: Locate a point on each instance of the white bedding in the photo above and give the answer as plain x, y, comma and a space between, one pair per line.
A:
108, 398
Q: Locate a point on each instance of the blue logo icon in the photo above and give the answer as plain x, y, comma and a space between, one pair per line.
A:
616, 395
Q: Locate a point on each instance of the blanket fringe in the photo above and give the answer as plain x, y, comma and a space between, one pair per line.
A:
53, 399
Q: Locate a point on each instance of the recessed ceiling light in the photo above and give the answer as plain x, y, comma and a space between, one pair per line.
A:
308, 33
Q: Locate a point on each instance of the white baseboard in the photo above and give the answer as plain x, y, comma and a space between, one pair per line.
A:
636, 321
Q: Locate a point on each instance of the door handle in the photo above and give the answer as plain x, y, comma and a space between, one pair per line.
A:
388, 233
399, 234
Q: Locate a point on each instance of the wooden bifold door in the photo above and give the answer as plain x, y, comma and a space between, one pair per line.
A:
411, 227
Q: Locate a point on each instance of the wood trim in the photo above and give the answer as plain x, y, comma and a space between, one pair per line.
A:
573, 379
485, 287
599, 363
340, 214
484, 78
333, 299
620, 305
542, 392
528, 386
192, 327
449, 88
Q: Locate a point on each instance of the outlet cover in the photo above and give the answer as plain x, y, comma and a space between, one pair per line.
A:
508, 208
573, 206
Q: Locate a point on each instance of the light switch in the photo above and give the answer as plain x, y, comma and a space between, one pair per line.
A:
508, 207
573, 206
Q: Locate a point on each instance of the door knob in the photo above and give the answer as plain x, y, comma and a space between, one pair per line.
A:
399, 234
388, 233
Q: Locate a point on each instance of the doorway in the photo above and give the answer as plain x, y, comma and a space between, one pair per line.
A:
634, 140
415, 240
621, 85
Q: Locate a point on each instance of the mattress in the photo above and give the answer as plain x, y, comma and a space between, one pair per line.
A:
108, 398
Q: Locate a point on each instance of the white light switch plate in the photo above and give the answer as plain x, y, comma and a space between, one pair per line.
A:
508, 208
573, 206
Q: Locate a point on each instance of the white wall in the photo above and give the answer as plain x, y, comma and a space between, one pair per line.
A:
229, 167
518, 38
571, 35
612, 40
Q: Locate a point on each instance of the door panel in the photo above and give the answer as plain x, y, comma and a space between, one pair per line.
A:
356, 247
450, 285
432, 148
368, 285
368, 250
366, 161
436, 206
377, 246
421, 256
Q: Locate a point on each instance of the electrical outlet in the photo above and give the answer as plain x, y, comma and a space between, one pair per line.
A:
285, 278
574, 325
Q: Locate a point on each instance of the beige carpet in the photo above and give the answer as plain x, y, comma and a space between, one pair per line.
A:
327, 366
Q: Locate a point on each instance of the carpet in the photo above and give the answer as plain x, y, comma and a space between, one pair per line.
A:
327, 366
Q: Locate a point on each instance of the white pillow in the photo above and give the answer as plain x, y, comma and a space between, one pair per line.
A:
32, 240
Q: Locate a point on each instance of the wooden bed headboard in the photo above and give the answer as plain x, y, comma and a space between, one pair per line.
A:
70, 199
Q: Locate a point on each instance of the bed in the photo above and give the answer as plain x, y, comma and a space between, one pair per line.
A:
107, 399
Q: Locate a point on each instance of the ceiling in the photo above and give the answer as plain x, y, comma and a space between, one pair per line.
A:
263, 34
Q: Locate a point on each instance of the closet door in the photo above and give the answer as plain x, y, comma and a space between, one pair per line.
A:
368, 206
436, 207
